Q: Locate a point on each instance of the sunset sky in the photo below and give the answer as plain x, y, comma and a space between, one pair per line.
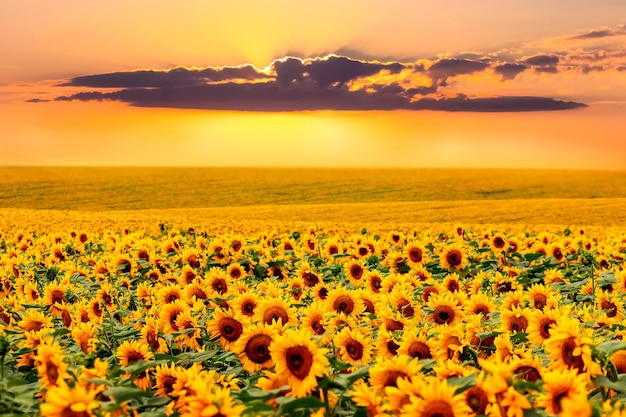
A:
530, 84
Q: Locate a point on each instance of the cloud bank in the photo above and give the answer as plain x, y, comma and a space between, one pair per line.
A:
341, 82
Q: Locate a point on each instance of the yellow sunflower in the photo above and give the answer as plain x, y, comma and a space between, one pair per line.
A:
479, 303
354, 346
63, 401
355, 272
253, 347
168, 314
453, 256
416, 344
445, 309
85, 336
437, 399
166, 377
539, 325
299, 360
50, 362
274, 309
131, 351
569, 347
515, 320
35, 320
343, 300
561, 386
226, 326
387, 372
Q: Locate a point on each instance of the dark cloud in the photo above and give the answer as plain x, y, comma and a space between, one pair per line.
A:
601, 33
451, 67
542, 60
495, 104
331, 70
621, 68
37, 100
294, 84
509, 71
173, 77
547, 70
272, 97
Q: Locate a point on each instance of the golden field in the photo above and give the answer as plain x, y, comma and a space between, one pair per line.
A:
311, 195
393, 293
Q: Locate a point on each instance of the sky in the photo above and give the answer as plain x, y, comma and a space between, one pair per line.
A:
520, 84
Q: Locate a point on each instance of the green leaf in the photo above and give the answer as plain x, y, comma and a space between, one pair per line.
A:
196, 356
123, 394
289, 405
141, 366
619, 385
463, 383
611, 346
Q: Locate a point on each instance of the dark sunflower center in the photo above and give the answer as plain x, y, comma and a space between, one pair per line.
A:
171, 298
454, 258
419, 350
310, 279
230, 329
391, 378
354, 349
438, 408
343, 304
612, 308
53, 372
134, 357
476, 399
376, 284
275, 313
299, 361
356, 271
415, 255
498, 242
518, 324
540, 301
152, 339
443, 314
168, 384
567, 353
317, 327
528, 373
544, 328
248, 308
257, 348
219, 285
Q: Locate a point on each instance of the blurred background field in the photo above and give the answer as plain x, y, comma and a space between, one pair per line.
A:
184, 195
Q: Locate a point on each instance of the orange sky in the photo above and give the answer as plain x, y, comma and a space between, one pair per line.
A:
394, 64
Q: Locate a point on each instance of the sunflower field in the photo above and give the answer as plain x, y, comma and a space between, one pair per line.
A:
434, 320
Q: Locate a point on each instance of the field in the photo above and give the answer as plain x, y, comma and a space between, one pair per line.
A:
222, 292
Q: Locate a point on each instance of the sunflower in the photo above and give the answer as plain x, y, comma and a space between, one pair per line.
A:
619, 360
186, 321
386, 345
333, 247
209, 399
343, 300
562, 386
445, 309
320, 291
451, 283
54, 293
353, 346
235, 271
166, 377
355, 272
274, 309
611, 305
50, 362
415, 254
253, 347
130, 352
539, 325
299, 360
85, 336
166, 294
313, 318
449, 342
294, 287
515, 320
63, 401
35, 320
453, 256
218, 280
168, 314
123, 264
309, 278
478, 397
150, 335
498, 243
246, 303
373, 281
569, 347
437, 399
401, 300
527, 367
386, 372
537, 296
195, 291
187, 276
417, 345
479, 303
226, 326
